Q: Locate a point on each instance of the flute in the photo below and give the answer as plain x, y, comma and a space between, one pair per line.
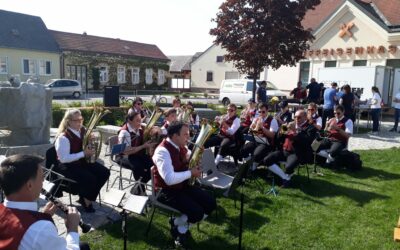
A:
49, 197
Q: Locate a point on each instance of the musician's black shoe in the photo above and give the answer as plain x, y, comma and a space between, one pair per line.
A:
181, 241
392, 130
87, 208
174, 229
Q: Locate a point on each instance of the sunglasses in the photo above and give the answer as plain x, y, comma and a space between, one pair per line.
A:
262, 111
311, 109
139, 103
231, 110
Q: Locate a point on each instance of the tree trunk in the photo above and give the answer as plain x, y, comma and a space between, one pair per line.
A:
254, 86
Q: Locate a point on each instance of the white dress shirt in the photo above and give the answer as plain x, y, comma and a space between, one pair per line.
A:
43, 234
63, 148
377, 102
397, 104
163, 162
234, 127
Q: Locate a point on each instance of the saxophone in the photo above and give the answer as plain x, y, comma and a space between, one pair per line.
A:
92, 138
207, 129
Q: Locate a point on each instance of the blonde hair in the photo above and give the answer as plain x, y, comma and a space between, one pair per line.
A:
66, 119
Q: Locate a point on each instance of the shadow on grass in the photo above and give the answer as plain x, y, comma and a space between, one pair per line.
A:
368, 172
322, 188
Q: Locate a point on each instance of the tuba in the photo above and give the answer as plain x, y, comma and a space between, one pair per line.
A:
92, 138
207, 129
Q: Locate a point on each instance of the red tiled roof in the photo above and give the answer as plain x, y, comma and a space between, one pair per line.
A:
87, 43
313, 18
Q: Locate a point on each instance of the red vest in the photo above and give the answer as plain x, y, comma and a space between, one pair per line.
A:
229, 122
14, 223
179, 162
247, 121
75, 144
267, 125
137, 139
288, 144
335, 135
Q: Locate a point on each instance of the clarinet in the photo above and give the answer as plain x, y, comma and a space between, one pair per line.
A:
49, 197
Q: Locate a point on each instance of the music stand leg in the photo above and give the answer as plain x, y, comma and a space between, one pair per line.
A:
273, 190
124, 228
241, 218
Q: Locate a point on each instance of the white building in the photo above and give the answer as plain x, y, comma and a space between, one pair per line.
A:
210, 68
348, 33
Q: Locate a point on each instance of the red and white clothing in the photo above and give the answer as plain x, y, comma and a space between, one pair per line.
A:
41, 234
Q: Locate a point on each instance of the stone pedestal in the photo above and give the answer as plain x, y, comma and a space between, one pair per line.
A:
26, 111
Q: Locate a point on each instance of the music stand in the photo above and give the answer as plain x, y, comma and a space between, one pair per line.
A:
134, 203
238, 182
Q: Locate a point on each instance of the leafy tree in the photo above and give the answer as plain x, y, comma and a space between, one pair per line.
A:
259, 33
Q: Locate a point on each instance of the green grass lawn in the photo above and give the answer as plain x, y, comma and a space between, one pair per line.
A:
340, 210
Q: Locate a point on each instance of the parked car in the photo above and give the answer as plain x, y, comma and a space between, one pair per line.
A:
65, 87
239, 91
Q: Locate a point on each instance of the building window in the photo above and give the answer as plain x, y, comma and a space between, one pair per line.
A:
44, 67
135, 75
395, 63
121, 74
359, 63
103, 74
209, 76
304, 71
220, 59
330, 64
3, 65
29, 67
149, 76
231, 75
161, 77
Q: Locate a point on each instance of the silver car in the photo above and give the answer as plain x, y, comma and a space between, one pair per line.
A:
65, 87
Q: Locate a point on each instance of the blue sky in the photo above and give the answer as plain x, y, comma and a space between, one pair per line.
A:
177, 27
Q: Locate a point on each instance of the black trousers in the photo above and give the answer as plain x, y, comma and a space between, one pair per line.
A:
334, 147
90, 177
258, 150
291, 159
326, 114
140, 165
191, 200
221, 141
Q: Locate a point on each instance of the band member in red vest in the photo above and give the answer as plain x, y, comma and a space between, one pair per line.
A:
247, 116
229, 125
90, 177
134, 156
264, 128
137, 106
171, 175
313, 117
21, 225
339, 129
296, 148
169, 116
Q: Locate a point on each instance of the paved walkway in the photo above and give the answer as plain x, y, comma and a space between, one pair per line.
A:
106, 213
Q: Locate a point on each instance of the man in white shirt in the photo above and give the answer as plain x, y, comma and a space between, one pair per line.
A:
396, 102
171, 176
21, 226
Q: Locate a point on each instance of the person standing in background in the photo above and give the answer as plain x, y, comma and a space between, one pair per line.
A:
376, 108
329, 103
299, 93
262, 92
347, 100
396, 102
314, 91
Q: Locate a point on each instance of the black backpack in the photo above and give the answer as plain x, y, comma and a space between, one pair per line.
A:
350, 160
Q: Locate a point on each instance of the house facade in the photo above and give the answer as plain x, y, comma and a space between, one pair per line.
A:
27, 51
97, 61
348, 34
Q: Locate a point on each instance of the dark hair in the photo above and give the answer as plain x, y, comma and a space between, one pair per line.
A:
175, 128
231, 105
16, 170
339, 107
170, 112
263, 105
347, 88
263, 82
137, 99
131, 115
334, 84
374, 88
176, 100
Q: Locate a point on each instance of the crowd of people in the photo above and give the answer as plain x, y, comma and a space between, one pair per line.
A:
256, 135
